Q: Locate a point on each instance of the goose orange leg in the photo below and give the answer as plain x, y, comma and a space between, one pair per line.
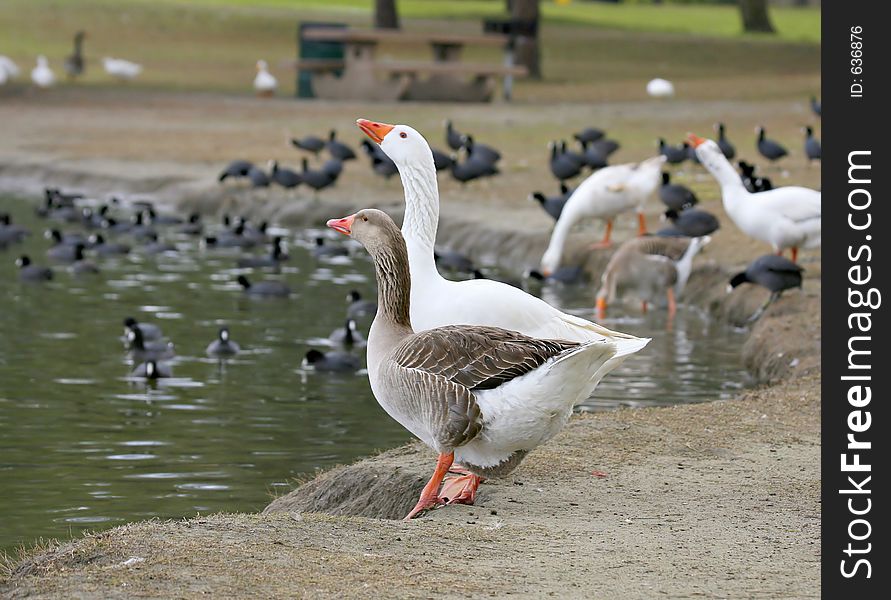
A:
795, 254
672, 304
641, 224
430, 494
605, 242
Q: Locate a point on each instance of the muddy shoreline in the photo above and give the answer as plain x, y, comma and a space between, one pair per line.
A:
719, 499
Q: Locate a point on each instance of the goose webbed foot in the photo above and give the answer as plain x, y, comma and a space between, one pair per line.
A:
460, 490
430, 494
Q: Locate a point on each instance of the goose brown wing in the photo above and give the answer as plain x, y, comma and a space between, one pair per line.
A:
477, 358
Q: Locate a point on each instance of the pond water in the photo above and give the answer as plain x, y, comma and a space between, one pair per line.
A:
82, 446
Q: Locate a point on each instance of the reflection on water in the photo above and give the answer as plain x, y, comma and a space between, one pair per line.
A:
84, 446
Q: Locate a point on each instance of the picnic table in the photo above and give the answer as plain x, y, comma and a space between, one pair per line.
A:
363, 75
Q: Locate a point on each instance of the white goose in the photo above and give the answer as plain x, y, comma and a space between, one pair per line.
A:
8, 69
482, 396
605, 194
265, 82
437, 301
119, 68
660, 88
784, 217
42, 75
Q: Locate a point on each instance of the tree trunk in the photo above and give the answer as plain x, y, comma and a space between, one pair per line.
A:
385, 15
526, 50
755, 17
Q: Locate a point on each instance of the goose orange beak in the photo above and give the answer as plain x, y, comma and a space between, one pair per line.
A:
695, 140
376, 131
344, 225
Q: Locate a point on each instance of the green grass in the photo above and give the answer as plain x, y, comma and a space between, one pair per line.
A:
793, 24
590, 52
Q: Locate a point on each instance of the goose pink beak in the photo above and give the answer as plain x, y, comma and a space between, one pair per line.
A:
376, 131
695, 140
344, 225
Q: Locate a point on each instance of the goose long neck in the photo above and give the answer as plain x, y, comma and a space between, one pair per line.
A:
421, 203
393, 282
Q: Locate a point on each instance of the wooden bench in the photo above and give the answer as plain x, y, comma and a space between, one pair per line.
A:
361, 75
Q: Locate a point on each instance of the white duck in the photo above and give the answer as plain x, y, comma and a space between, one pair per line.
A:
121, 69
784, 217
8, 69
482, 396
603, 195
660, 88
42, 75
265, 83
436, 301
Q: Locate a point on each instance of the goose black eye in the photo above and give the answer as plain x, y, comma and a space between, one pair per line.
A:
403, 135
364, 218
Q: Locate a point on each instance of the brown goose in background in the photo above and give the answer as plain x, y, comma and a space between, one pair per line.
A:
481, 396
74, 63
649, 268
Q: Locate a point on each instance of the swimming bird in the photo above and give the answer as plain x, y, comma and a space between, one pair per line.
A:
268, 288
323, 250
479, 396
358, 307
553, 205
62, 251
436, 301
74, 63
660, 88
149, 331
193, 226
348, 335
331, 362
286, 178
692, 222
103, 248
82, 266
647, 268
338, 149
768, 148
750, 181
142, 350
776, 273
9, 232
223, 345
452, 261
812, 147
723, 143
265, 82
275, 257
673, 154
237, 169
120, 69
42, 75
563, 275
454, 138
785, 217
154, 245
151, 370
675, 195
32, 272
310, 143
604, 195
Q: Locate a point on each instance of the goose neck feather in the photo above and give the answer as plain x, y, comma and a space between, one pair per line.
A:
421, 203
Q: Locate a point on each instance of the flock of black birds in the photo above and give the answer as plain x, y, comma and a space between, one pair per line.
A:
479, 160
93, 233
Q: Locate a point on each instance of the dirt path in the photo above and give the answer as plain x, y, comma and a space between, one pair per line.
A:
715, 500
